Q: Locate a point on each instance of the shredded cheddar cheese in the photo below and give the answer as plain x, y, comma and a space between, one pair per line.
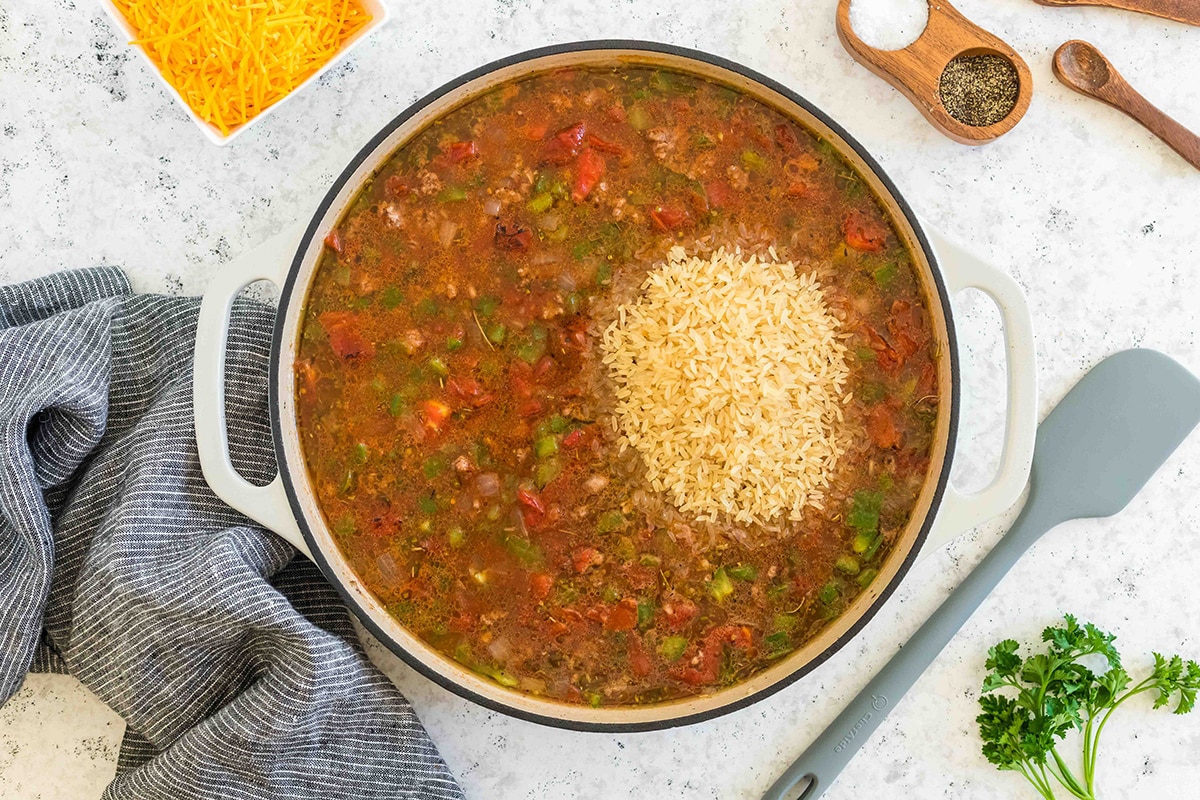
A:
232, 59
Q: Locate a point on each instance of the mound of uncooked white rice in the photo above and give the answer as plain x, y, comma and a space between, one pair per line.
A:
729, 375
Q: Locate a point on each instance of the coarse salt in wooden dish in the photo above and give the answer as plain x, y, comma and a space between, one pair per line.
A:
302, 47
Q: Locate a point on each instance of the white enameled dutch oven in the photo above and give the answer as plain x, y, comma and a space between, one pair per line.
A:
287, 505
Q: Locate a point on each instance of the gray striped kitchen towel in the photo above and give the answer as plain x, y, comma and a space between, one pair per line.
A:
233, 663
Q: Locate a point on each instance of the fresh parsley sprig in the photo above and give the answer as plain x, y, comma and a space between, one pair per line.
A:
1056, 693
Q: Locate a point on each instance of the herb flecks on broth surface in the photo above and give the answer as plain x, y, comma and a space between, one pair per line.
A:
458, 420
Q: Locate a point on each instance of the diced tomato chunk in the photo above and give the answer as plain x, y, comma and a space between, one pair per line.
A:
456, 152
679, 611
708, 668
736, 635
603, 145
797, 189
584, 558
617, 113
706, 673
532, 518
906, 328
539, 585
467, 389
462, 623
562, 147
342, 329
886, 356
521, 380
785, 137
881, 425
639, 659
333, 240
904, 346
574, 336
718, 193
587, 173
530, 498
573, 438
863, 233
544, 367
532, 511
512, 238
927, 383
531, 408
623, 617
669, 218
435, 414
395, 187
462, 386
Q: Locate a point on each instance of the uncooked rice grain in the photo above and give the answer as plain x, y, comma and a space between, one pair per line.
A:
729, 372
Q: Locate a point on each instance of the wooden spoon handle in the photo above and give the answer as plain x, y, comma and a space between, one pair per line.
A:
1120, 95
1180, 139
1187, 11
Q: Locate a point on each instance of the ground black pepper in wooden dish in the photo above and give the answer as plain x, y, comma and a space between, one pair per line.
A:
979, 90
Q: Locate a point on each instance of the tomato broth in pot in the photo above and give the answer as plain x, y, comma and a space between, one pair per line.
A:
614, 387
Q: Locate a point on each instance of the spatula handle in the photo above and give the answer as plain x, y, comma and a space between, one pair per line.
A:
825, 758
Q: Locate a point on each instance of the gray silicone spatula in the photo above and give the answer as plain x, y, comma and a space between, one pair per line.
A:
1094, 452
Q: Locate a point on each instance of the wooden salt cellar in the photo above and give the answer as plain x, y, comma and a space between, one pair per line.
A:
916, 70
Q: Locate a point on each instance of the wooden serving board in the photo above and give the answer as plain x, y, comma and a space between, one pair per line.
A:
916, 70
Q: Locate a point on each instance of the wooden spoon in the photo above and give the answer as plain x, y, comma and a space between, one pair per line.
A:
1085, 69
1186, 11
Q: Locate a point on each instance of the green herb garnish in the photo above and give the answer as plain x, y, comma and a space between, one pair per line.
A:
1056, 693
864, 511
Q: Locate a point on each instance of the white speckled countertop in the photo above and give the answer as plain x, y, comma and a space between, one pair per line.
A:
1098, 221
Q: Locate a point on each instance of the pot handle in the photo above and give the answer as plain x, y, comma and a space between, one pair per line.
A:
960, 512
267, 505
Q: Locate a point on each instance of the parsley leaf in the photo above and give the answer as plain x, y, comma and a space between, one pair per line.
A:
1053, 693
864, 511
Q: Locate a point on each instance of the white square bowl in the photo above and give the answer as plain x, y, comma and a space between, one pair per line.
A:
379, 17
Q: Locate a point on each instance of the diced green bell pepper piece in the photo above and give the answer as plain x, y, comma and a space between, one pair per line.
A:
847, 564
545, 447
610, 521
672, 647
720, 586
743, 572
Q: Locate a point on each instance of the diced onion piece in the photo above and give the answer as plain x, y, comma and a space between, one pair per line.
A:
387, 567
447, 231
499, 648
595, 484
487, 484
